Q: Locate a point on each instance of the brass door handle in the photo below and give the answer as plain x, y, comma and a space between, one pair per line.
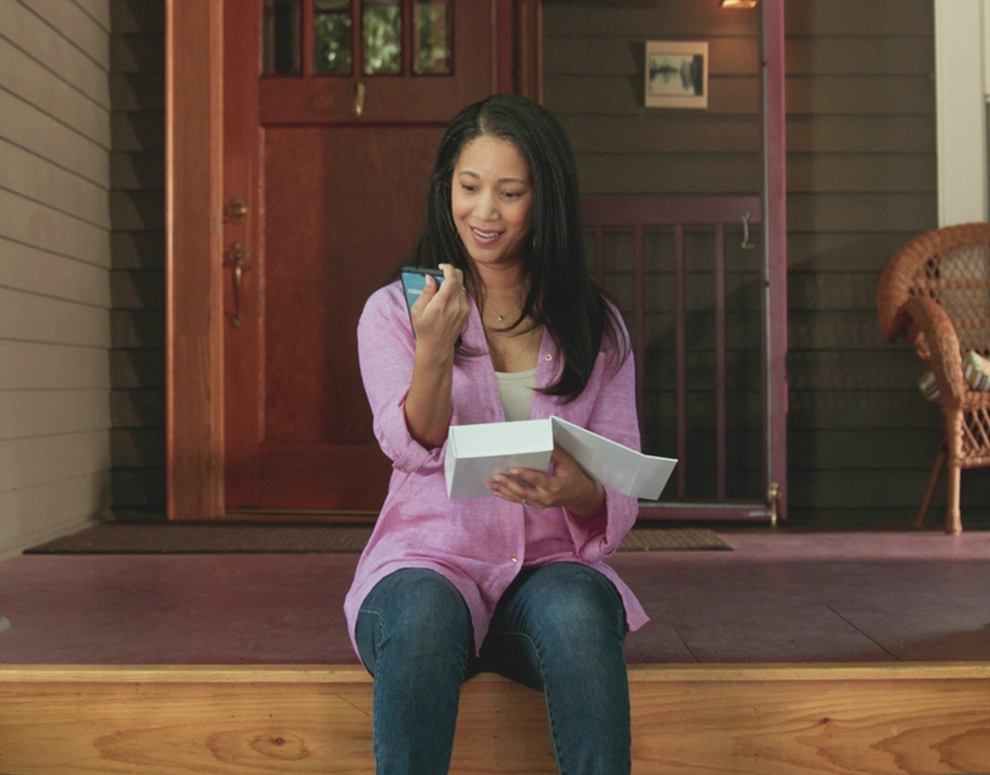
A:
238, 259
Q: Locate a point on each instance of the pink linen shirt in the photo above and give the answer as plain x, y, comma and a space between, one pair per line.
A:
480, 544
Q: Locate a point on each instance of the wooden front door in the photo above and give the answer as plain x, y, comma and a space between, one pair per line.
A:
332, 112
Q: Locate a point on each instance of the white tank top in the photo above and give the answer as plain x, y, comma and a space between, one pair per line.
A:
516, 391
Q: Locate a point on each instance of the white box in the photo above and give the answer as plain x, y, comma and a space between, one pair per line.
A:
476, 452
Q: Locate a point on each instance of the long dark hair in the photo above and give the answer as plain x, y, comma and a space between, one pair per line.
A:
562, 296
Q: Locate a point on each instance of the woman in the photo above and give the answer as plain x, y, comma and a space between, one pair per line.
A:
514, 583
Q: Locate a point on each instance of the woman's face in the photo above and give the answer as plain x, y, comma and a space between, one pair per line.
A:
492, 201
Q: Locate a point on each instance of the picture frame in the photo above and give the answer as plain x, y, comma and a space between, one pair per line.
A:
676, 74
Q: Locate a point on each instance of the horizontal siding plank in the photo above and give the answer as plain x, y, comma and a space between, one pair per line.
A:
42, 227
138, 329
872, 450
668, 174
878, 489
656, 133
98, 10
865, 95
138, 289
29, 269
140, 489
137, 171
845, 330
887, 489
31, 82
833, 291
26, 413
596, 56
869, 213
36, 178
828, 173
82, 65
861, 134
137, 210
36, 461
891, 369
28, 127
616, 96
33, 515
138, 250
886, 54
143, 131
138, 52
36, 366
137, 92
861, 410
85, 22
141, 369
137, 408
137, 447
645, 20
129, 16
852, 18
27, 317
835, 251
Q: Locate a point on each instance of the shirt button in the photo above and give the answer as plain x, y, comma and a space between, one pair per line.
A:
548, 357
515, 558
402, 469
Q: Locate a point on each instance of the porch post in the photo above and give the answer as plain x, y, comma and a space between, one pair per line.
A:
775, 251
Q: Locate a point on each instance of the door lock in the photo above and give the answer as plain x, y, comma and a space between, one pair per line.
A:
236, 210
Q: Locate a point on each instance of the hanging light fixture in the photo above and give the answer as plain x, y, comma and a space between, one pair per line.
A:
739, 3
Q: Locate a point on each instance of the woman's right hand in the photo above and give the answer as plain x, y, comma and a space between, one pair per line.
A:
438, 319
439, 315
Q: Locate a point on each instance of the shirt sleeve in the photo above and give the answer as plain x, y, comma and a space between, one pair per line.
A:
386, 350
613, 415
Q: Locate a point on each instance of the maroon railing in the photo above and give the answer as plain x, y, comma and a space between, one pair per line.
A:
676, 215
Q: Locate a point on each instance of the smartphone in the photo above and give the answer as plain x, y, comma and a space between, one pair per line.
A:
414, 280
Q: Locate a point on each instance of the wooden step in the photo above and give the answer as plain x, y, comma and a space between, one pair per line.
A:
715, 719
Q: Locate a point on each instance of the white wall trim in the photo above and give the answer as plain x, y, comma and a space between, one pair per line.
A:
960, 107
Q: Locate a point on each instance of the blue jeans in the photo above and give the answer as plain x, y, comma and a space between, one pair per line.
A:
558, 629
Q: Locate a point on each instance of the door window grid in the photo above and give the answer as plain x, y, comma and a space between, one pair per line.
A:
328, 31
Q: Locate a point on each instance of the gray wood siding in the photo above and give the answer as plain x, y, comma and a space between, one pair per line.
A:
861, 180
137, 207
54, 268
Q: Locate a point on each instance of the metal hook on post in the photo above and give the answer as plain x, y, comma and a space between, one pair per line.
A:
746, 244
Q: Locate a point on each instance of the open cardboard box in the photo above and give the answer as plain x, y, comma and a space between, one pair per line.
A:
476, 452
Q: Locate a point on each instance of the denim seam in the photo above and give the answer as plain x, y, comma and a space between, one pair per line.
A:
546, 697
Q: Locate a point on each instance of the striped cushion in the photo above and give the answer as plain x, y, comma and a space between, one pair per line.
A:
928, 386
976, 371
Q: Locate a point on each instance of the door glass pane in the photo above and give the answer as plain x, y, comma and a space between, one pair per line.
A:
332, 37
282, 35
431, 37
382, 27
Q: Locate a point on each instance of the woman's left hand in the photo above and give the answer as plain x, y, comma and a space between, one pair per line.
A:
568, 487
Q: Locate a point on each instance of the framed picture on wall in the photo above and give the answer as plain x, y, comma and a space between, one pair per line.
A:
676, 74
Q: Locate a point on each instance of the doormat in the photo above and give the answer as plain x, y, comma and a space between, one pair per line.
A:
171, 538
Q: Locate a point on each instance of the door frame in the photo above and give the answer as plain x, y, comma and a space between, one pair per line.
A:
194, 333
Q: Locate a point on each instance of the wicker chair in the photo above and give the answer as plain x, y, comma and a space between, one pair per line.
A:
935, 292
